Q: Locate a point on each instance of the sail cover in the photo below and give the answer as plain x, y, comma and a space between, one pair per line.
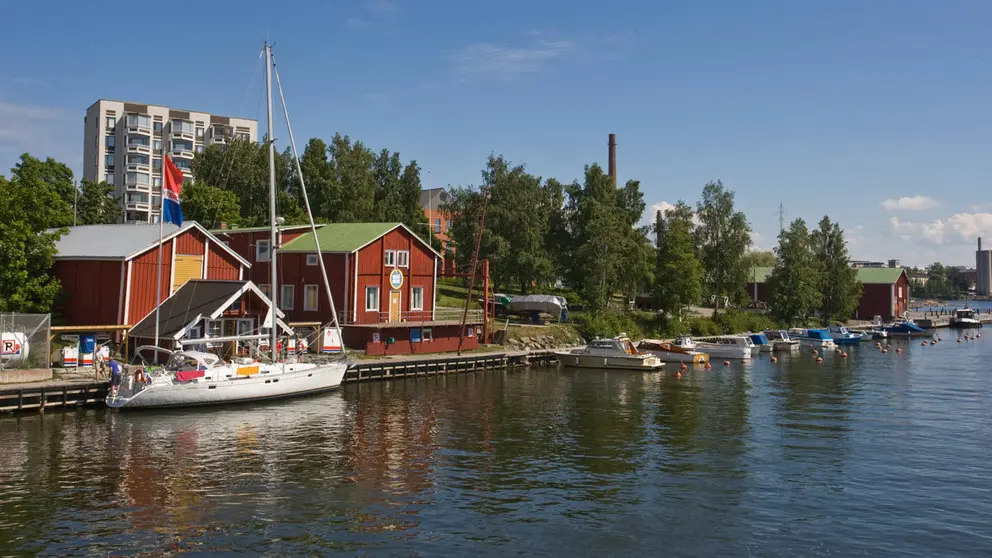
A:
549, 304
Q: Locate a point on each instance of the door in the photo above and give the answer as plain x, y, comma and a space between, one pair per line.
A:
395, 310
187, 267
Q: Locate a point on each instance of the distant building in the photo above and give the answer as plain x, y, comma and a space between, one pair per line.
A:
432, 202
885, 293
866, 263
123, 143
894, 264
983, 270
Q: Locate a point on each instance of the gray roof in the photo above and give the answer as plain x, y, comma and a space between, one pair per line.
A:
192, 299
106, 242
434, 197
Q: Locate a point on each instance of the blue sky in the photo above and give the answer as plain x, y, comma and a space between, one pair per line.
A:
877, 113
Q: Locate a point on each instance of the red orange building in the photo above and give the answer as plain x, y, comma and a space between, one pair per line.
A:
885, 291
433, 201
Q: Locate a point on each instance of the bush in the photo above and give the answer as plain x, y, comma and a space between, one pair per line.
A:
735, 321
607, 324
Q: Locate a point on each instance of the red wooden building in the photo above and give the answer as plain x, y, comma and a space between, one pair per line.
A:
885, 291
383, 278
108, 272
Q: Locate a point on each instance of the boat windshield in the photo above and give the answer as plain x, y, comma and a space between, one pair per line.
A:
188, 361
603, 344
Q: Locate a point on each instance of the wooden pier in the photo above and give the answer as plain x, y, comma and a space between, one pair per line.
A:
39, 396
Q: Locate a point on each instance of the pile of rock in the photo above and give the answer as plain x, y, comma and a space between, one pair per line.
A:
537, 343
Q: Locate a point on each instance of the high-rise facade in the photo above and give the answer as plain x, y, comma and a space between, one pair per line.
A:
123, 145
983, 270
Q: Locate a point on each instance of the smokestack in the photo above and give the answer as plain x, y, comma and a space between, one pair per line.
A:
979, 244
613, 158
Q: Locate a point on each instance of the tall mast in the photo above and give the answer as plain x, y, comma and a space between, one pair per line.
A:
272, 201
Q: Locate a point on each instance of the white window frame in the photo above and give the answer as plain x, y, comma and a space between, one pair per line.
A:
312, 259
306, 298
369, 290
258, 250
286, 297
389, 258
427, 334
402, 258
110, 122
413, 298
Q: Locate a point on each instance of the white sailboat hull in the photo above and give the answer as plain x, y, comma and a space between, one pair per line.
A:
296, 380
610, 362
724, 351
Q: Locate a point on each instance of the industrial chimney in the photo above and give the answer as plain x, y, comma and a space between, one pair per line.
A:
613, 158
979, 244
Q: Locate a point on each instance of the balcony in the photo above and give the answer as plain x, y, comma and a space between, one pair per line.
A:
139, 129
442, 316
182, 154
135, 187
137, 206
138, 167
139, 148
183, 135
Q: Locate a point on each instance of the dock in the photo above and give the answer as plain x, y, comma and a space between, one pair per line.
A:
66, 394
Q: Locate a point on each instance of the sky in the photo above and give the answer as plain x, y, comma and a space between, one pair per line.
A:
876, 113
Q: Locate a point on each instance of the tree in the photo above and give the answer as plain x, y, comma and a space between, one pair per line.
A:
96, 204
757, 258
599, 228
209, 205
795, 280
678, 273
838, 280
33, 211
58, 176
723, 236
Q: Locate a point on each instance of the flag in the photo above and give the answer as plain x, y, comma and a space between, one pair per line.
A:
172, 183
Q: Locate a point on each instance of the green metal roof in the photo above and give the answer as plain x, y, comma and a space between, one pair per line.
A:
340, 237
869, 275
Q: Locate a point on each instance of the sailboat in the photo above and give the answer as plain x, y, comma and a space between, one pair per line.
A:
192, 377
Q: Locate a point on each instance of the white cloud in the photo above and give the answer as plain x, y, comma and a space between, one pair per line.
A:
662, 206
958, 229
913, 203
507, 63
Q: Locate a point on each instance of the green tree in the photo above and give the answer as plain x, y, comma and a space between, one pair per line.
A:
758, 258
723, 236
679, 273
209, 205
795, 280
838, 280
599, 227
57, 175
408, 201
33, 212
96, 204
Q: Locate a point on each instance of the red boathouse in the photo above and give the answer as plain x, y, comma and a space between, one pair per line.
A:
885, 291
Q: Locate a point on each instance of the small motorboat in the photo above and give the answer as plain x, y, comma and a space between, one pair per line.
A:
761, 342
780, 340
680, 351
906, 328
813, 337
731, 346
964, 318
842, 336
617, 353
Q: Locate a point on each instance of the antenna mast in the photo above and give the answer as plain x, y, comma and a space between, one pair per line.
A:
781, 217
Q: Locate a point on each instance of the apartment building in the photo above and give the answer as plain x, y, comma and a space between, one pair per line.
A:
123, 146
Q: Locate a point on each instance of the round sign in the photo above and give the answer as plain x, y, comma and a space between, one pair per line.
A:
396, 279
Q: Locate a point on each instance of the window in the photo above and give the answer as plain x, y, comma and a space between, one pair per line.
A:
157, 144
428, 334
182, 126
156, 164
390, 258
111, 122
137, 140
266, 290
137, 159
108, 159
371, 299
312, 259
214, 328
235, 306
182, 146
109, 178
157, 128
199, 148
310, 297
447, 225
137, 198
110, 142
137, 179
243, 136
262, 251
403, 258
900, 292
437, 225
417, 299
156, 181
286, 295
199, 131
138, 121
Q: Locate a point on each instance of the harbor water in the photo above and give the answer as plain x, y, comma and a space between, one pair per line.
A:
876, 454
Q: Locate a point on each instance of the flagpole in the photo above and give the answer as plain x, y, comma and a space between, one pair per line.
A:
161, 230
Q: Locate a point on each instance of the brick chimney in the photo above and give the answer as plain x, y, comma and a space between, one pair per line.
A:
613, 158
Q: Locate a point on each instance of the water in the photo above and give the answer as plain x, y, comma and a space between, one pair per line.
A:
875, 455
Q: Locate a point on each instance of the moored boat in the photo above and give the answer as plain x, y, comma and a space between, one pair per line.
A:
842, 336
964, 318
780, 340
906, 328
731, 346
680, 351
617, 353
812, 337
761, 343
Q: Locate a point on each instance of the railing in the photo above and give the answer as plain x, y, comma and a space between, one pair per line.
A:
414, 316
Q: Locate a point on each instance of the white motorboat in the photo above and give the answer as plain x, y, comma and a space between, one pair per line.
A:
198, 378
964, 318
732, 347
616, 353
780, 340
682, 350
813, 337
